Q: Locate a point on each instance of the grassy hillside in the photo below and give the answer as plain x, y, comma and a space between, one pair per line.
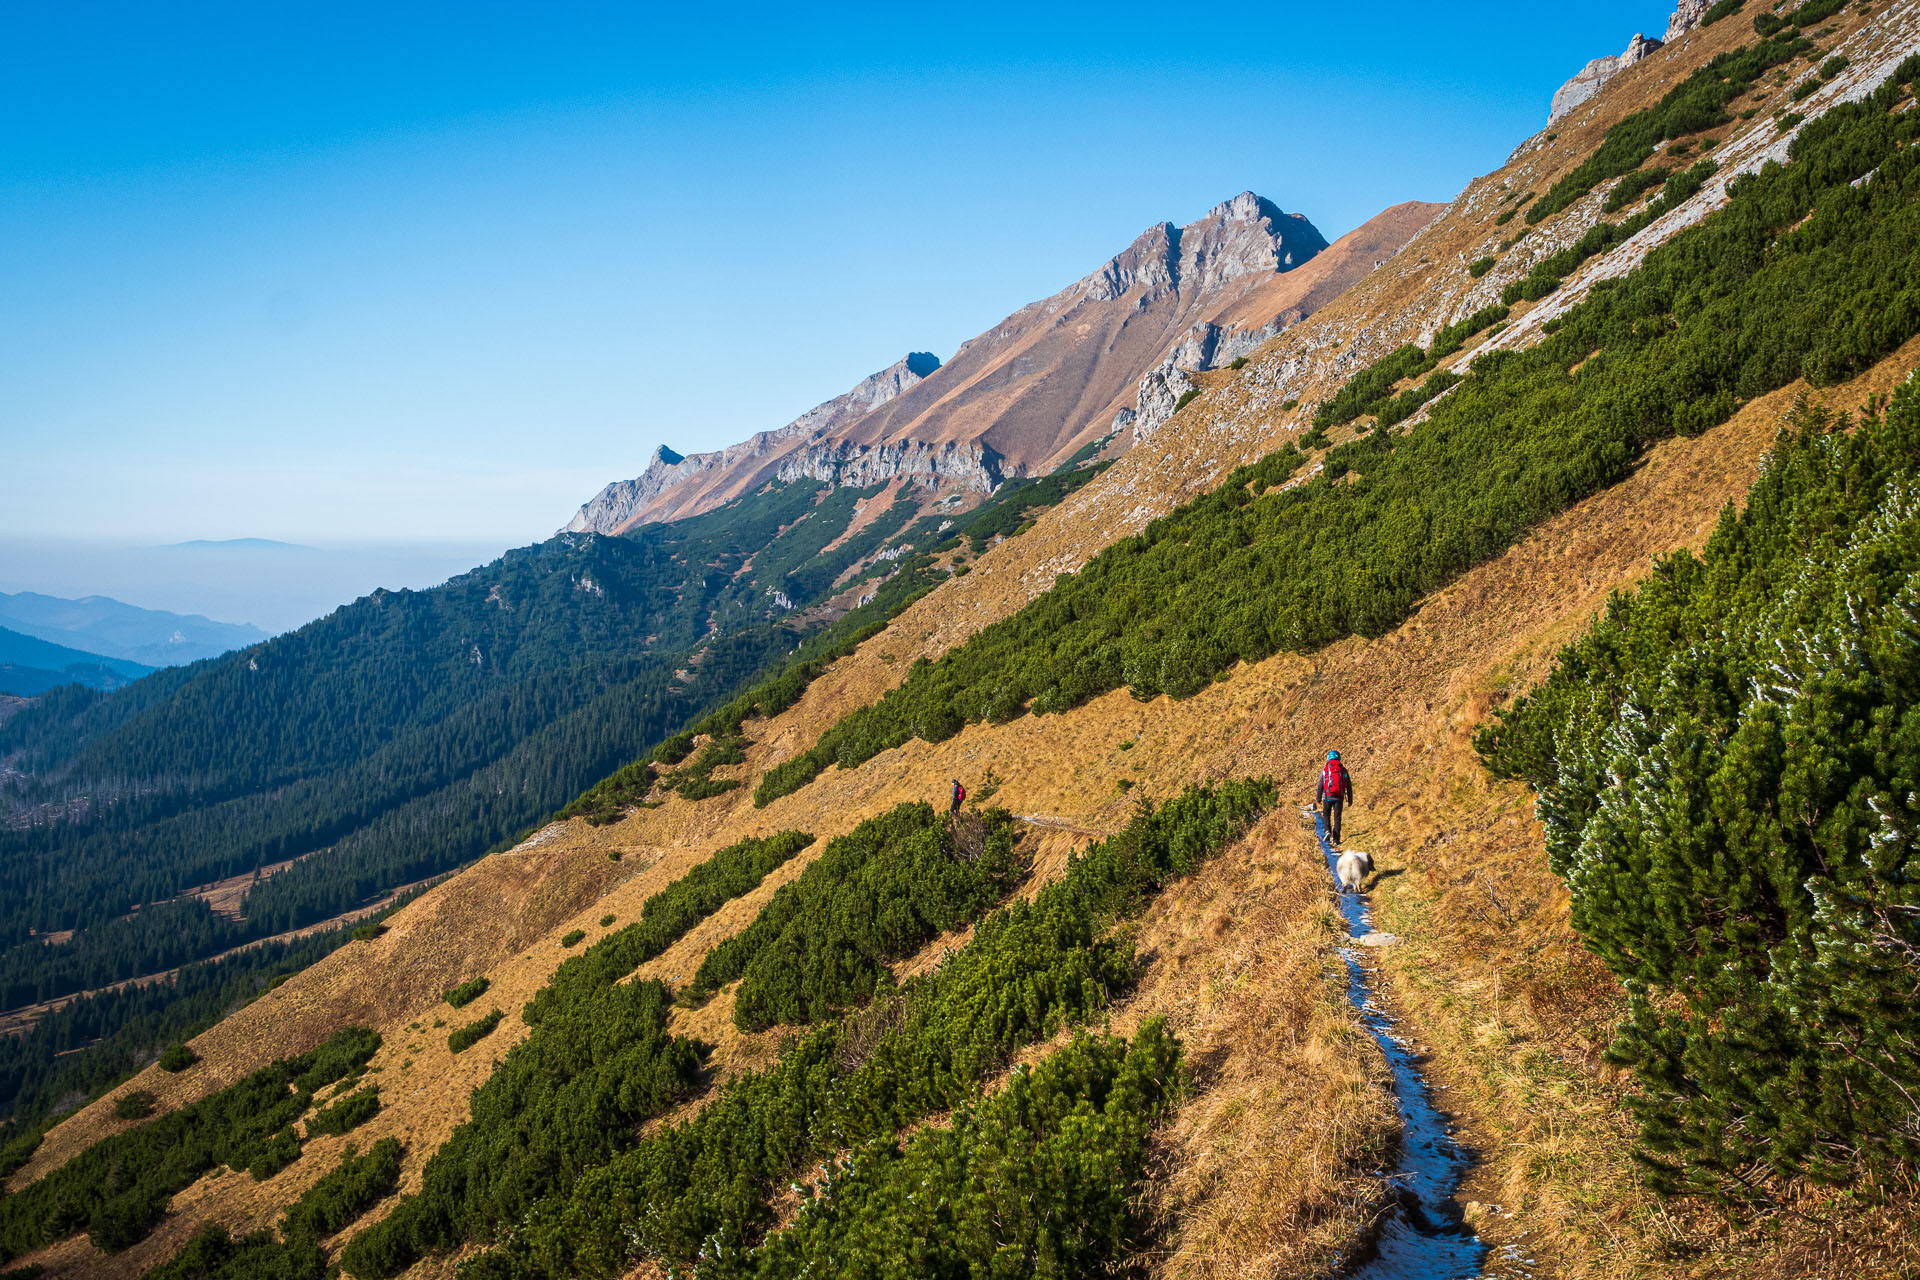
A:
1802, 275
1119, 1041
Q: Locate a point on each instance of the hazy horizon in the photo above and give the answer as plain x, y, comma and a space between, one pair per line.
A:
274, 586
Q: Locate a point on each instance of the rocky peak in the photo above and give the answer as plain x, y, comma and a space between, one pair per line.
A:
1246, 235
1594, 76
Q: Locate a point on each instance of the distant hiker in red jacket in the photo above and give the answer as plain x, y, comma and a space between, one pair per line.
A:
1334, 794
959, 794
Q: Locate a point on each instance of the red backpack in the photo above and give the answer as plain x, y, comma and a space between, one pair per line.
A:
1333, 779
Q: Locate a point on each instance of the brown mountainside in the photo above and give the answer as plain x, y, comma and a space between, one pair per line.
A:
1049, 378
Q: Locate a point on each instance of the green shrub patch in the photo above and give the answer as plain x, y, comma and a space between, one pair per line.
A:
874, 896
346, 1192
1726, 769
464, 1038
350, 1112
118, 1189
467, 992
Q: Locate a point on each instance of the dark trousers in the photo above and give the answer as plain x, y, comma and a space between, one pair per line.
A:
1332, 806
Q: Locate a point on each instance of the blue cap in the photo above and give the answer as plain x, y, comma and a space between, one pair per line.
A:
1333, 755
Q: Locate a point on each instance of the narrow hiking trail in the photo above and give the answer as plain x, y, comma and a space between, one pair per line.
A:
1423, 1235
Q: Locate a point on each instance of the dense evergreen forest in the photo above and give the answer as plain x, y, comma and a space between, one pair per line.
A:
1806, 273
394, 740
1727, 767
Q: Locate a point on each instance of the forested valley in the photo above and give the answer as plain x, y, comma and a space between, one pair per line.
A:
392, 741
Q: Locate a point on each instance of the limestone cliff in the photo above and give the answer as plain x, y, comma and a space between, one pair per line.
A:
1261, 313
1594, 76
1686, 16
625, 503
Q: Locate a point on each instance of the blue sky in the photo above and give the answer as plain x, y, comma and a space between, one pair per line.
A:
396, 273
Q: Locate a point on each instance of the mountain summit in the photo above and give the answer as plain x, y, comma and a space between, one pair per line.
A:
1048, 380
1245, 236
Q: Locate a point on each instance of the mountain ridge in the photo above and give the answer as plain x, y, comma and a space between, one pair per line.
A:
625, 503
1042, 383
114, 629
30, 666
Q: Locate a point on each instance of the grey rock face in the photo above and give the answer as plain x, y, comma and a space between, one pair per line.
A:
1243, 236
1594, 76
955, 464
1160, 392
614, 505
1686, 16
1206, 346
609, 508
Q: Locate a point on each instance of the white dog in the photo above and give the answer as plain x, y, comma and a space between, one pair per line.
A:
1352, 869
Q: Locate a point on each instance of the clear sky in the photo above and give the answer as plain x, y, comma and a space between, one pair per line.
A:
402, 272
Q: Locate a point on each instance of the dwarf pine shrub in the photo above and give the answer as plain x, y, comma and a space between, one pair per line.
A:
1727, 768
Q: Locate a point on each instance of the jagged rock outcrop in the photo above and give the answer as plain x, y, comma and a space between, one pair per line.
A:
625, 503
1206, 346
1594, 76
1686, 16
1263, 313
609, 508
1243, 236
955, 464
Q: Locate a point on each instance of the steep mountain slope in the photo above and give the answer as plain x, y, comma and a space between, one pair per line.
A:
315, 774
286, 791
1049, 379
1267, 1163
151, 637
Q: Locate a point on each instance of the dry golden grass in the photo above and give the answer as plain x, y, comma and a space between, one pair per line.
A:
1270, 1167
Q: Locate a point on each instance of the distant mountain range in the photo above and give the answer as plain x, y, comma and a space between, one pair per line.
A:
1104, 360
107, 628
244, 544
30, 666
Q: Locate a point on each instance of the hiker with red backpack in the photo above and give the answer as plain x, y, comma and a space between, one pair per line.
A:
1334, 794
959, 794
